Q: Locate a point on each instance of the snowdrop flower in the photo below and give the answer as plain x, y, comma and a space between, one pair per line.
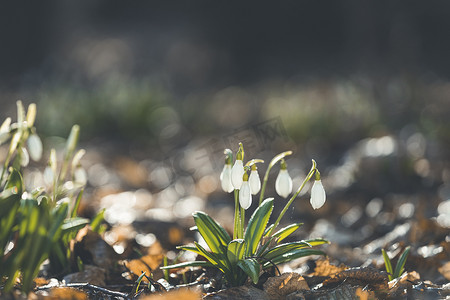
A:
283, 184
238, 169
255, 182
318, 195
245, 194
225, 177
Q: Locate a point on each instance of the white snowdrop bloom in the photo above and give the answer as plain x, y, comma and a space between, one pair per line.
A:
245, 195
318, 195
283, 184
225, 179
35, 147
80, 176
24, 157
236, 174
255, 182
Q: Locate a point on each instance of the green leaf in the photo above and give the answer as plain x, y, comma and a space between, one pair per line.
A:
73, 214
190, 248
216, 259
200, 263
282, 249
214, 235
257, 225
235, 250
15, 180
97, 221
286, 231
387, 264
291, 255
251, 267
268, 229
74, 224
401, 262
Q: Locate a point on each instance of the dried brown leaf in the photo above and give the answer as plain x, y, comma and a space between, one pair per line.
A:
324, 268
279, 286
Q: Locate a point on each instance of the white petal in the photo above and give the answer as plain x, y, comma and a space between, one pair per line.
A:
245, 195
318, 196
35, 147
236, 174
80, 176
225, 179
255, 182
283, 184
24, 157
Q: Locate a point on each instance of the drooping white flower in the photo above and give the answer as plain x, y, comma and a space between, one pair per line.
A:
225, 179
236, 174
245, 195
35, 147
255, 182
318, 196
283, 184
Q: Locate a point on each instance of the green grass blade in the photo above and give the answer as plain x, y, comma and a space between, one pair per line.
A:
401, 263
251, 267
387, 264
257, 225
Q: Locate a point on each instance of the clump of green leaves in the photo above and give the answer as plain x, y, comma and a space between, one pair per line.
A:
256, 247
36, 223
399, 268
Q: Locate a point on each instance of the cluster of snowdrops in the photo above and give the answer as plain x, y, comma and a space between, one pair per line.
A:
258, 246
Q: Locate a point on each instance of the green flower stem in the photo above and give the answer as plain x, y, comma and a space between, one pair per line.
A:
263, 188
308, 177
236, 215
242, 223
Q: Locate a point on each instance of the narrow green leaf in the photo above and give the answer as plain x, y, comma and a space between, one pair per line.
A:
235, 250
251, 267
268, 229
401, 263
291, 255
73, 214
214, 235
74, 224
214, 258
257, 225
97, 221
200, 263
15, 180
286, 231
387, 264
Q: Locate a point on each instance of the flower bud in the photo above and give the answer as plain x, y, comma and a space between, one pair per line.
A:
255, 182
225, 179
318, 196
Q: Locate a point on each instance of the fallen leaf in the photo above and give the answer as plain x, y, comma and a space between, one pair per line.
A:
445, 270
184, 294
65, 293
279, 286
324, 268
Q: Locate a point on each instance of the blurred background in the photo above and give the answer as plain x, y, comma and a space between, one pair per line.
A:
160, 88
